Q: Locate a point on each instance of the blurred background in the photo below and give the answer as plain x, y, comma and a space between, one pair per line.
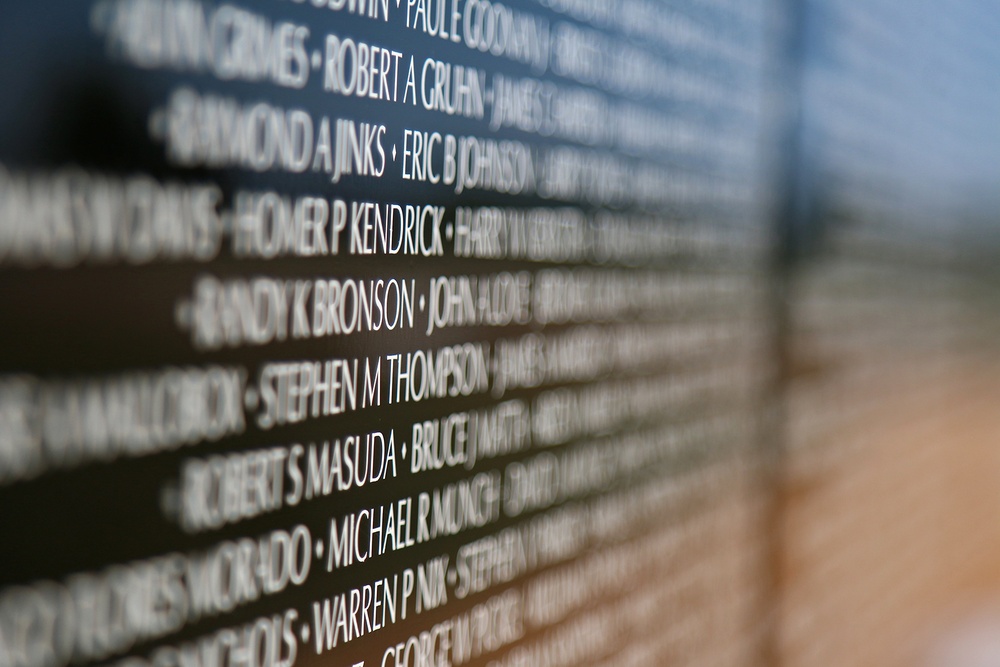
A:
889, 543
